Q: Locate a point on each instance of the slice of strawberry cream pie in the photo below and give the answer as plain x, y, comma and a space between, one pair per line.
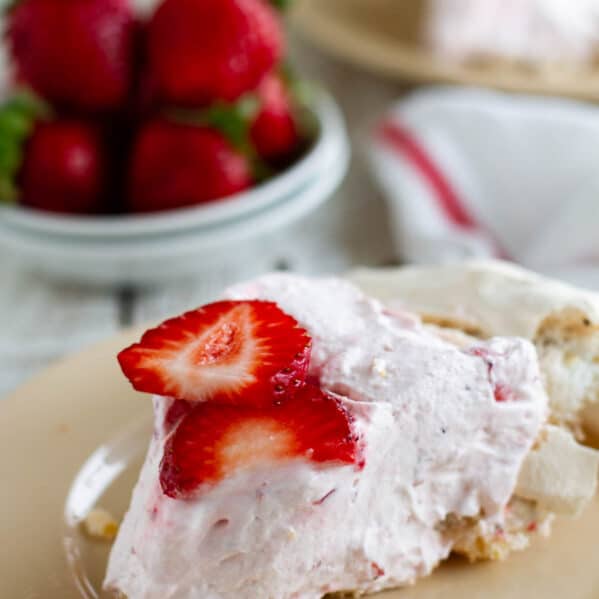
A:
308, 440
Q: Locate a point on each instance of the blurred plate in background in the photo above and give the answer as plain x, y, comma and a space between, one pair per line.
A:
385, 36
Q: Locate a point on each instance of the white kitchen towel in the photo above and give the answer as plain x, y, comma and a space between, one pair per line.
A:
477, 173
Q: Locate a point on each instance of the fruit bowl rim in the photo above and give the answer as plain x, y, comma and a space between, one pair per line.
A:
330, 127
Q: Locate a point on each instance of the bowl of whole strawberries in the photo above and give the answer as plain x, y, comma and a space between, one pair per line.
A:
136, 145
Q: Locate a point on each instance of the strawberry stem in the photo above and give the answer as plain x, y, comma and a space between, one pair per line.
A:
232, 119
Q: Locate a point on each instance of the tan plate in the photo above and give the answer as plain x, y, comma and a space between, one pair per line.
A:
385, 36
74, 437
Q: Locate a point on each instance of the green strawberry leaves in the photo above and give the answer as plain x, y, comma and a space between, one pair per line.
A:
18, 115
233, 120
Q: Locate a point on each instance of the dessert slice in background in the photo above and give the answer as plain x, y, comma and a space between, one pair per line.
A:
401, 443
533, 33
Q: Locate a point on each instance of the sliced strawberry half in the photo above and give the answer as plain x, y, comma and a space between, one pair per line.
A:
233, 352
214, 441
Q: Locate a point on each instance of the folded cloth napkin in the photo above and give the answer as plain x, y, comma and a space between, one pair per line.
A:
476, 173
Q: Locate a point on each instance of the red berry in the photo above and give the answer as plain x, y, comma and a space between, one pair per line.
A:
274, 131
75, 53
501, 391
214, 441
175, 165
236, 352
175, 413
205, 50
64, 168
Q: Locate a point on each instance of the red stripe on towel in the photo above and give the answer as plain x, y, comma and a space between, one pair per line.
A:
400, 140
453, 207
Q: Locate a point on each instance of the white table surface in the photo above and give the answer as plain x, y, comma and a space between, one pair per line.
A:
41, 320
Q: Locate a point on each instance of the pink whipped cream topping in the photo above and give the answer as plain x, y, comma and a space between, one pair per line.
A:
445, 431
536, 31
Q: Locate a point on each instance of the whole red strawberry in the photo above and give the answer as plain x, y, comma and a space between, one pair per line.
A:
63, 169
75, 53
206, 50
179, 164
274, 131
59, 165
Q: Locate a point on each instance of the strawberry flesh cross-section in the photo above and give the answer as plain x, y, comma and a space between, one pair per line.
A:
213, 441
246, 353
238, 373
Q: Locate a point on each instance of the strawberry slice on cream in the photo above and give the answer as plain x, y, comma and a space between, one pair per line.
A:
247, 352
213, 441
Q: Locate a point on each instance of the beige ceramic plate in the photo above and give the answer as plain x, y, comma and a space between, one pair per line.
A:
384, 36
75, 436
